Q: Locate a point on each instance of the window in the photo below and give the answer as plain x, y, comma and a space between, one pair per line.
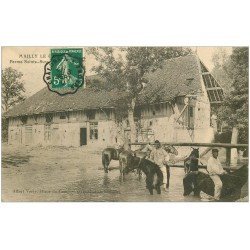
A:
157, 107
63, 116
189, 81
91, 115
48, 118
24, 119
47, 133
93, 130
35, 118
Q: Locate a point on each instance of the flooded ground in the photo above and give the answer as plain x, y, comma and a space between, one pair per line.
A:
74, 174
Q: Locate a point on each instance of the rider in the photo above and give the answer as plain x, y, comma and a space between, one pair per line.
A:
215, 169
160, 157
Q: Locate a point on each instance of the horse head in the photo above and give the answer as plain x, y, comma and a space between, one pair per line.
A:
194, 155
132, 163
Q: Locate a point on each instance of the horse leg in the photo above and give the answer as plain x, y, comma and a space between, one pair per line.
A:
197, 192
196, 188
187, 185
121, 173
105, 162
151, 191
106, 169
149, 185
139, 173
158, 188
122, 170
168, 177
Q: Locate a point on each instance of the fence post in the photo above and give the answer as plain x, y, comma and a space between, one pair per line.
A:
228, 156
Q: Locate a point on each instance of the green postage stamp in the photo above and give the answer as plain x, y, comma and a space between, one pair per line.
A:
64, 74
66, 68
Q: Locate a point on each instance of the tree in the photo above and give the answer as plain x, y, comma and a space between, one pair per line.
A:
125, 69
221, 72
12, 88
235, 107
12, 93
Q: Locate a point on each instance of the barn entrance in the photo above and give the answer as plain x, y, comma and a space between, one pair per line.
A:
28, 135
83, 136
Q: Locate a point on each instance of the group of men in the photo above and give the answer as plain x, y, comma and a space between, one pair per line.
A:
161, 157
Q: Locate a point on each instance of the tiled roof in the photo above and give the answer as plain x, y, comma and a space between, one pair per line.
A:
178, 77
46, 101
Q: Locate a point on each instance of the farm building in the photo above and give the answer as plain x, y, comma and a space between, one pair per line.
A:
174, 106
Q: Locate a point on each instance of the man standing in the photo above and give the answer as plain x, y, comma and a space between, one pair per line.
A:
160, 157
215, 169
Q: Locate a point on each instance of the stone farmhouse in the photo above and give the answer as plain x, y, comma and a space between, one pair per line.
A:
174, 106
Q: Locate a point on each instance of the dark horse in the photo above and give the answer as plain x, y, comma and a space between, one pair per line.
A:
192, 161
231, 188
109, 154
150, 169
168, 148
125, 159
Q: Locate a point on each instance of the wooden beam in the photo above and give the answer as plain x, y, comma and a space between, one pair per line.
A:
200, 166
177, 120
194, 144
214, 102
213, 88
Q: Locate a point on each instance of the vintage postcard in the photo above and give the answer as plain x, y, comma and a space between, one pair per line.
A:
124, 124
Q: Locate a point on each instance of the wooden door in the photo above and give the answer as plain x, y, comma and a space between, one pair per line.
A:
83, 136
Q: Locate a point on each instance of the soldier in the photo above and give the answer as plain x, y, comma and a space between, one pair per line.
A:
160, 157
215, 169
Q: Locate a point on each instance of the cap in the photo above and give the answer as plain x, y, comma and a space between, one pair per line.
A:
215, 150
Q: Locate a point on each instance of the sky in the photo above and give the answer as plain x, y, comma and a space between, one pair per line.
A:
33, 72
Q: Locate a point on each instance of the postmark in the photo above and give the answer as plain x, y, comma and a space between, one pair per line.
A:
64, 74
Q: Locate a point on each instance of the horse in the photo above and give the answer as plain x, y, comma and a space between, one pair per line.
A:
144, 153
192, 161
150, 169
109, 154
125, 159
231, 188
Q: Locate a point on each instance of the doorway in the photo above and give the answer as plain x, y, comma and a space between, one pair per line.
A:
83, 136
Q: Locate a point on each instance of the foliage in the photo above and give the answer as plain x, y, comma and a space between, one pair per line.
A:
221, 61
235, 107
125, 69
224, 137
12, 88
4, 130
12, 93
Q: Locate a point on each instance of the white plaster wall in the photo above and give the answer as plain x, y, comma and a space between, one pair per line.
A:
38, 134
107, 134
